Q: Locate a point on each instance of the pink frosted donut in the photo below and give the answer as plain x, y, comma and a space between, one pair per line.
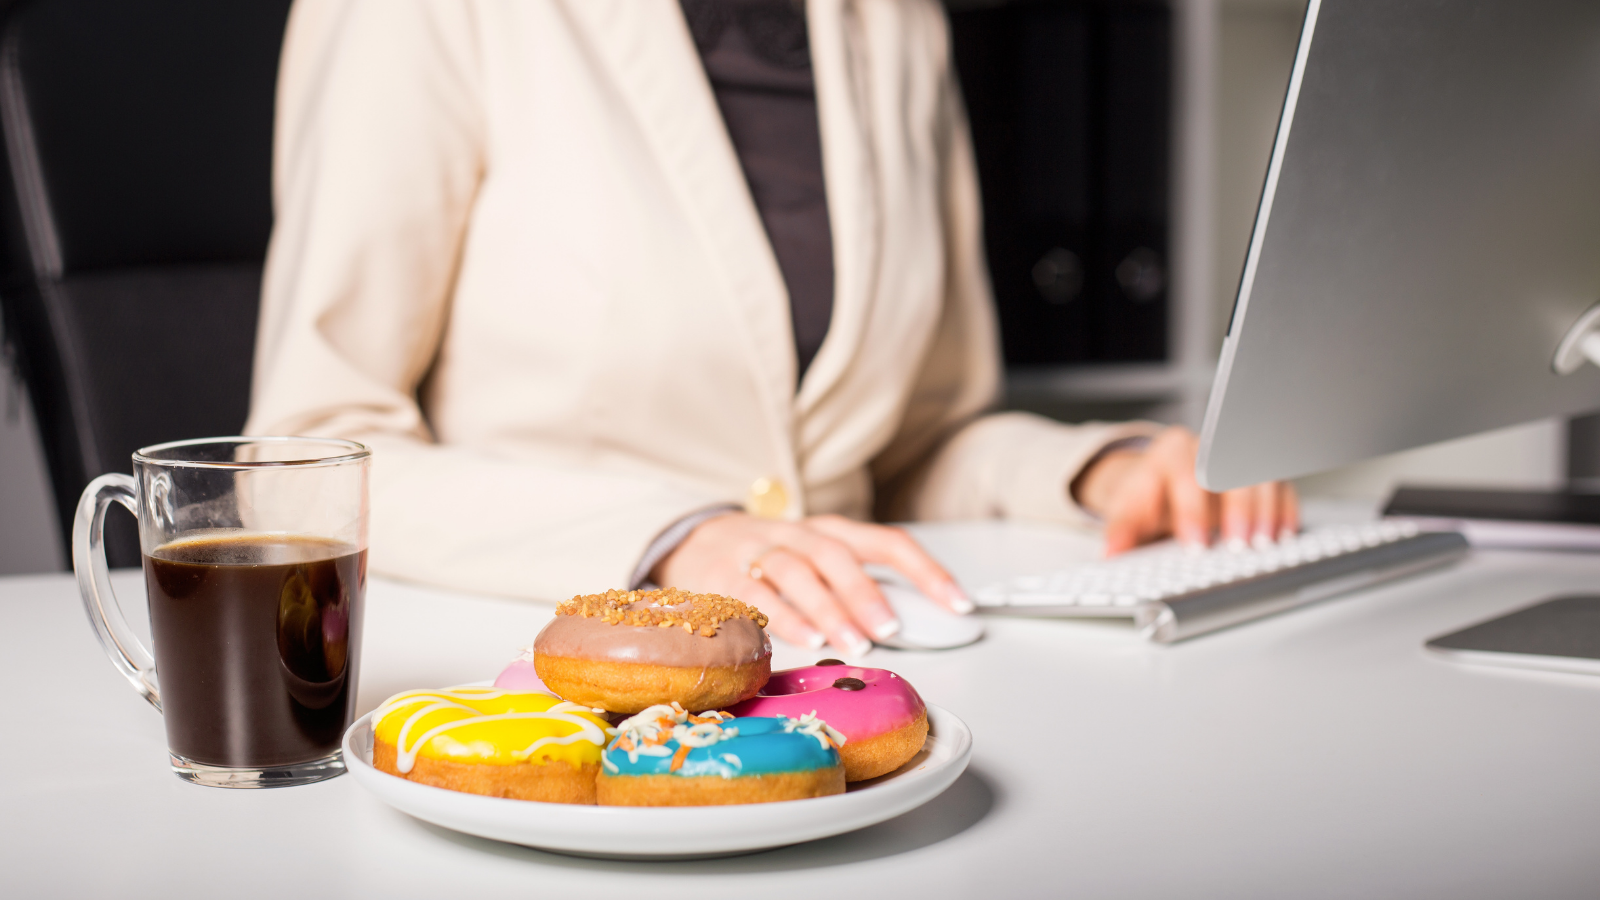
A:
881, 716
520, 676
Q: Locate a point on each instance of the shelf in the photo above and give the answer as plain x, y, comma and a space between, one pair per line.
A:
1125, 382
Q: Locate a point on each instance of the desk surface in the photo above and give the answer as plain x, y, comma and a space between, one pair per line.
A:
1317, 754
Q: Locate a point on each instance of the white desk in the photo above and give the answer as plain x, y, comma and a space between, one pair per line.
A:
1318, 754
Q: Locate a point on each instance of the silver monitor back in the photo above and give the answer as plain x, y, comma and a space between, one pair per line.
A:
1429, 230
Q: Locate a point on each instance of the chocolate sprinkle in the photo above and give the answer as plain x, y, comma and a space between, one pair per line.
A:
830, 662
850, 684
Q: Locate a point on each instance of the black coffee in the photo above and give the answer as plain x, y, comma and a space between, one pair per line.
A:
257, 641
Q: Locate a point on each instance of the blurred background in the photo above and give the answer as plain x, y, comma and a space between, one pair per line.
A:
1122, 146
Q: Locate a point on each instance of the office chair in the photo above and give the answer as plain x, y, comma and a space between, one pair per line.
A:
135, 209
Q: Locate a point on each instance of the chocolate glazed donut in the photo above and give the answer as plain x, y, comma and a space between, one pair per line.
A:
625, 651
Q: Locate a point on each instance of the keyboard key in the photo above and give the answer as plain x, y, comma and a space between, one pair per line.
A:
1170, 571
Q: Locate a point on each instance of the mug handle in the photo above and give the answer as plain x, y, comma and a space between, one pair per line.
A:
130, 656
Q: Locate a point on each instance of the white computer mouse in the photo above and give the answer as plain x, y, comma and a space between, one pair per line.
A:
925, 625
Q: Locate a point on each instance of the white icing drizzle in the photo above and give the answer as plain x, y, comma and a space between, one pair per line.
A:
809, 724
406, 757
643, 733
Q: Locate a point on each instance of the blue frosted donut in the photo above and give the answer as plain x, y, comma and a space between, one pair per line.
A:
666, 757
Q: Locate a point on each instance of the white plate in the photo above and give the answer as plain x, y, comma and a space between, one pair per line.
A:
665, 832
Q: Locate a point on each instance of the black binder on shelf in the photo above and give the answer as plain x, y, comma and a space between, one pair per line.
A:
1134, 165
1069, 102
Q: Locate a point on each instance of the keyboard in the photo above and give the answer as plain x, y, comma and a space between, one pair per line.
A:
1174, 592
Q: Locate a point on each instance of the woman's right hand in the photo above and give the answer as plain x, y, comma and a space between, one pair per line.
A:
1147, 494
807, 576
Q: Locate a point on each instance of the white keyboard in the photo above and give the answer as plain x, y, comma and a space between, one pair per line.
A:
1218, 586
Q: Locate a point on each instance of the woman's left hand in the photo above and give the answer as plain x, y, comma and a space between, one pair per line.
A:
1143, 495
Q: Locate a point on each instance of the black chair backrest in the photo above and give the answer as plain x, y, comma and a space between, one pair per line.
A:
134, 221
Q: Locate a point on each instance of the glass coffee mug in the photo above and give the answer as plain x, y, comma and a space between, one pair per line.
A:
255, 562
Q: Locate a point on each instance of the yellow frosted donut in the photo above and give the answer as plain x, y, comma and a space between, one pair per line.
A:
526, 745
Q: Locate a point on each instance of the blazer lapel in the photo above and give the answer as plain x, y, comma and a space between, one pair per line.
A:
850, 170
646, 46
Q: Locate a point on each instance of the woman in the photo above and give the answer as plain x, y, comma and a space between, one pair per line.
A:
571, 268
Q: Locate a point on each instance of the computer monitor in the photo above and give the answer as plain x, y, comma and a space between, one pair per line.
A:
1428, 234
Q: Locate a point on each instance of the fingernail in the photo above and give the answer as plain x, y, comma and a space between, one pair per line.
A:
958, 599
815, 640
888, 628
1287, 534
1237, 545
1262, 541
854, 643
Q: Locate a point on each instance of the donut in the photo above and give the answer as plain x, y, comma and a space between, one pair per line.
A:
626, 651
526, 745
666, 757
520, 675
880, 714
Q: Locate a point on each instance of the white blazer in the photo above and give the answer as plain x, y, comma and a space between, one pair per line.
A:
515, 254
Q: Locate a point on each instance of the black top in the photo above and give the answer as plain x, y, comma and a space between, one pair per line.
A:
758, 59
